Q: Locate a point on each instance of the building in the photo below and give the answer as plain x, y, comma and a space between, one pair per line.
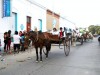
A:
23, 15
52, 20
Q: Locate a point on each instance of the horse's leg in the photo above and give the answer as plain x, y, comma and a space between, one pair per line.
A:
36, 54
75, 41
48, 47
71, 41
47, 51
85, 39
40, 54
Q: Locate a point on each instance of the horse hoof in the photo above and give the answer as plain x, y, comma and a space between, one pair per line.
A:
37, 61
41, 61
46, 58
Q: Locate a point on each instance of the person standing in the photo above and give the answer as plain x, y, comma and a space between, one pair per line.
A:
16, 42
22, 42
5, 41
20, 33
9, 41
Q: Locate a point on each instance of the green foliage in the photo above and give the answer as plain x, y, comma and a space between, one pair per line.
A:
94, 29
82, 30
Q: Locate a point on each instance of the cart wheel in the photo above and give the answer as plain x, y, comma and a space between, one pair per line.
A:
66, 47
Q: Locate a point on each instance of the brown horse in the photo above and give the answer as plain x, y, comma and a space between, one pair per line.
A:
39, 40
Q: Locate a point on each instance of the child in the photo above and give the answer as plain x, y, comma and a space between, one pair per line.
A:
5, 41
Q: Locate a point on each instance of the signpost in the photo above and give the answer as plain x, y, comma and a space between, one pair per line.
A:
21, 26
6, 8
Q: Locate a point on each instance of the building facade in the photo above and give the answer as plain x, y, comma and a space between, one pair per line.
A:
23, 15
52, 20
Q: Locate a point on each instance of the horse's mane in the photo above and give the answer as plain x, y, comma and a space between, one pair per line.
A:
36, 32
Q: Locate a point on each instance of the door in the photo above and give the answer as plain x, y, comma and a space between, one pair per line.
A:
28, 23
14, 22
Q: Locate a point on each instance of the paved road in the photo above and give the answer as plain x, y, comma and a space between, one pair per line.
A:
83, 60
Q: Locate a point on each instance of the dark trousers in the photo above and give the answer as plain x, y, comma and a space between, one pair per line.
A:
16, 46
22, 47
8, 45
5, 45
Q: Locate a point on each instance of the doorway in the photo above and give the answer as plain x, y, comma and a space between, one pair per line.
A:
40, 24
14, 22
28, 27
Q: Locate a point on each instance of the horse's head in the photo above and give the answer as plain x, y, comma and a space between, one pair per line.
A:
73, 33
36, 36
26, 41
29, 36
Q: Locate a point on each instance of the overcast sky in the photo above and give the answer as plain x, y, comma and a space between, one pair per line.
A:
82, 12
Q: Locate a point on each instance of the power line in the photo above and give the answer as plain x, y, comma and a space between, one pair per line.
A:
37, 4
41, 6
67, 20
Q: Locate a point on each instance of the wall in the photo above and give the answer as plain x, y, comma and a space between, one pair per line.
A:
5, 24
23, 8
52, 20
65, 23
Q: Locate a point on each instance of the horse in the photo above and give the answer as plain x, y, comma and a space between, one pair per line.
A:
39, 40
87, 36
76, 37
90, 36
73, 38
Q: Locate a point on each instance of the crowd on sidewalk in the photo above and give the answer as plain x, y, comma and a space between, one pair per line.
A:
17, 39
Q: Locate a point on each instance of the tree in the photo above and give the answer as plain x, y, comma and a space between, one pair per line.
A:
94, 29
91, 29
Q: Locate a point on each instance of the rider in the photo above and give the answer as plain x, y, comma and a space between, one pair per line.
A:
54, 32
61, 33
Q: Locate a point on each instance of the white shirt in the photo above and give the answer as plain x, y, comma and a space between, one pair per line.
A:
54, 33
16, 39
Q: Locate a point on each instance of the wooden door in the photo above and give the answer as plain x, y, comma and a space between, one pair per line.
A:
28, 23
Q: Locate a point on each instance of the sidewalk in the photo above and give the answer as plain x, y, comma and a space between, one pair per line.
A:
7, 60
11, 59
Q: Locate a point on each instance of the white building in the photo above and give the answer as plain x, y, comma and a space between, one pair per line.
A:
25, 15
66, 23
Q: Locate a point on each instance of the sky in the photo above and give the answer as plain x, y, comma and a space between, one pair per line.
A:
81, 12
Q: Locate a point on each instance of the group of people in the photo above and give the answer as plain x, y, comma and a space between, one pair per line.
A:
62, 32
17, 39
7, 41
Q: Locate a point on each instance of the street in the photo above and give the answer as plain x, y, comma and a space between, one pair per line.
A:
82, 60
